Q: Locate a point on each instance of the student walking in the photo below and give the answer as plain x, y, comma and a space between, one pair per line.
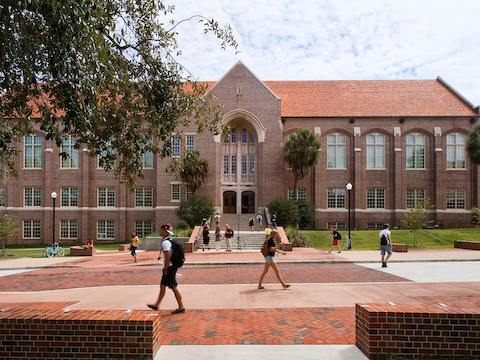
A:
134, 243
273, 220
206, 236
173, 258
268, 251
336, 237
217, 237
385, 244
259, 219
228, 235
251, 223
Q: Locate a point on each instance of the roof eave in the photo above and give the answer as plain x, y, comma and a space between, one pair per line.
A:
457, 94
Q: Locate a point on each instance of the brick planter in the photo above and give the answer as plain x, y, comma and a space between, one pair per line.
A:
124, 247
399, 247
419, 330
81, 251
469, 245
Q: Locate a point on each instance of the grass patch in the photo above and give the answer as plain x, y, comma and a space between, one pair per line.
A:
368, 239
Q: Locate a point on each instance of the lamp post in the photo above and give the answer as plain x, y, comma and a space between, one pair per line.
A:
349, 187
54, 198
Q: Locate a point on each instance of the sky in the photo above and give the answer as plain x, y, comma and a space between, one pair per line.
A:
338, 40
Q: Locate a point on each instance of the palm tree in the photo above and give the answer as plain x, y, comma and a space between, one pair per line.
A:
301, 153
190, 169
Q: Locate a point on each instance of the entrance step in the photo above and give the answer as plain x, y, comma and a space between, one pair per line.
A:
241, 220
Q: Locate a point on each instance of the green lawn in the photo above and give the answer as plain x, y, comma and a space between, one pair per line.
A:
368, 239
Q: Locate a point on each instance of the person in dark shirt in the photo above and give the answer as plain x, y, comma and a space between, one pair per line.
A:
336, 237
270, 261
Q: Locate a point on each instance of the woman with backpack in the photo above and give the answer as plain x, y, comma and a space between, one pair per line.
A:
336, 237
268, 251
206, 236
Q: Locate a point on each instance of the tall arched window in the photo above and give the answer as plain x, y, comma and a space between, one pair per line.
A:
32, 150
455, 151
375, 151
336, 145
415, 151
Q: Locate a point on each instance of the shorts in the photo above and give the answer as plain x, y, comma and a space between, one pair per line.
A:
335, 242
169, 279
386, 249
133, 250
269, 259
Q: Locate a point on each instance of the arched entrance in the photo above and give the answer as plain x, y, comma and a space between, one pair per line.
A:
248, 202
229, 202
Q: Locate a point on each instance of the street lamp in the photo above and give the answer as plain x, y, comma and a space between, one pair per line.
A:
349, 187
54, 198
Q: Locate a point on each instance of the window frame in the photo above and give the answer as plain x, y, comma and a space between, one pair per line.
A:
69, 229
71, 151
32, 229
416, 197
141, 233
372, 150
190, 146
106, 228
457, 148
34, 147
172, 185
335, 146
108, 193
141, 193
377, 198
415, 147
456, 199
33, 196
336, 198
69, 189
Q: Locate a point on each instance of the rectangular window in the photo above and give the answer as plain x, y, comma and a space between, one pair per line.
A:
176, 146
336, 198
143, 197
338, 226
69, 156
376, 199
336, 151
32, 152
234, 164
68, 229
69, 196
244, 136
2, 196
226, 164
373, 226
456, 199
31, 229
456, 151
32, 196
106, 197
415, 151
143, 227
415, 198
302, 194
252, 164
244, 165
188, 192
190, 143
175, 192
106, 229
233, 135
375, 151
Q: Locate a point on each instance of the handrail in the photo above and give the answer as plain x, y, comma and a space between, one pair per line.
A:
189, 246
285, 243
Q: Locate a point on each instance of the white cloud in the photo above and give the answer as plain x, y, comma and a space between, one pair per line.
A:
339, 39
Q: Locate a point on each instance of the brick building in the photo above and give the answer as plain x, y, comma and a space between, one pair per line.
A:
396, 142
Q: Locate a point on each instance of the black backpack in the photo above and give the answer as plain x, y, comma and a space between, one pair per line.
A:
339, 236
178, 255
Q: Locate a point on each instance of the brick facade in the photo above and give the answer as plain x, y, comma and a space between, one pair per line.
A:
270, 111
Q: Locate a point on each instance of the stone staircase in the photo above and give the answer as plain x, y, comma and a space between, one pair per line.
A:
235, 220
253, 240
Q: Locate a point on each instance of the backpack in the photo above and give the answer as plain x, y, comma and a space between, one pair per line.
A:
178, 255
383, 240
339, 236
265, 249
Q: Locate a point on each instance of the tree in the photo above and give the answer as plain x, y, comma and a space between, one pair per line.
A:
286, 211
8, 230
190, 169
103, 71
194, 209
473, 145
301, 153
415, 217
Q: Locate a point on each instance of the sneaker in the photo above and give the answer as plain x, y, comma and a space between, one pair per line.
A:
153, 307
384, 265
178, 311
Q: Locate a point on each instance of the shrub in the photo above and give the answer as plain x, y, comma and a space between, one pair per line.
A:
193, 210
476, 215
306, 214
286, 210
296, 238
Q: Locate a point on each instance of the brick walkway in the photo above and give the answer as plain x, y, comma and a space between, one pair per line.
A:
66, 278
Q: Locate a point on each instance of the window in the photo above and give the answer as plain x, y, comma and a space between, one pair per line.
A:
188, 192
455, 151
31, 229
233, 135
336, 198
2, 196
244, 136
68, 196
32, 196
244, 165
143, 227
190, 145
373, 226
68, 229
415, 198
226, 164
375, 198
106, 229
336, 145
70, 158
252, 164
143, 197
175, 192
234, 164
375, 151
252, 138
456, 199
302, 194
106, 197
102, 157
147, 157
176, 146
338, 226
415, 151
32, 152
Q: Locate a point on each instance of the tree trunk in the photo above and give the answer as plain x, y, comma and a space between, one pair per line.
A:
295, 188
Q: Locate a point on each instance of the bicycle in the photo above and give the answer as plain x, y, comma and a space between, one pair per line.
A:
240, 243
53, 250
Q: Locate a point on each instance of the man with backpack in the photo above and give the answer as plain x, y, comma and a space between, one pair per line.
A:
173, 257
336, 237
385, 244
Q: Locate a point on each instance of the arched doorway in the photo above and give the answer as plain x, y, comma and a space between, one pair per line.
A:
248, 202
229, 202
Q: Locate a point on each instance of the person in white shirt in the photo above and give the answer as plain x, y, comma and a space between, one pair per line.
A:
385, 244
169, 275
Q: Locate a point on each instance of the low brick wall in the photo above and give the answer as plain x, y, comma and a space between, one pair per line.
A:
81, 251
419, 330
400, 247
54, 334
469, 245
